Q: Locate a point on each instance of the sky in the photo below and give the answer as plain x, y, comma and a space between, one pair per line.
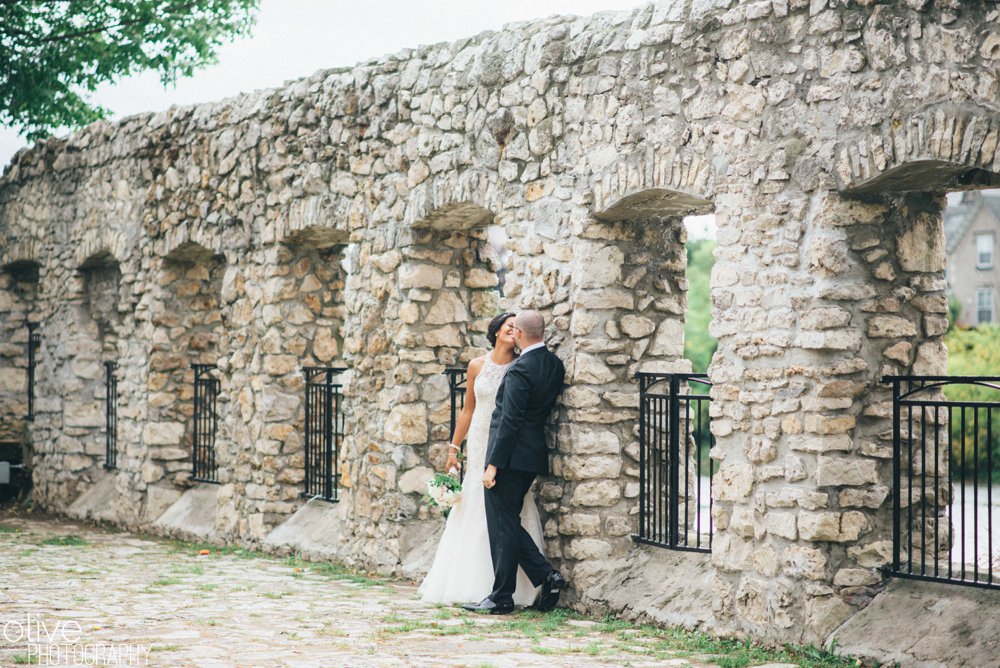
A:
294, 38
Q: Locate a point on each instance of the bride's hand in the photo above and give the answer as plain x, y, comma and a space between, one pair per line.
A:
453, 462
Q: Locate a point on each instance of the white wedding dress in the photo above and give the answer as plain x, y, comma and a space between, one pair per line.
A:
462, 571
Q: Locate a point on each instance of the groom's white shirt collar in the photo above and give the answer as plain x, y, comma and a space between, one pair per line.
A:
540, 344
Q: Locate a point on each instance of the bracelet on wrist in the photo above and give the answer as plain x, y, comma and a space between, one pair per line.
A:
454, 447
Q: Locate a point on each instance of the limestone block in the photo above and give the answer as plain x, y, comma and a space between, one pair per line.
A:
150, 472
781, 523
864, 498
387, 262
825, 613
407, 424
325, 346
636, 326
448, 335
591, 370
819, 526
825, 424
871, 555
825, 318
855, 577
479, 278
803, 562
596, 493
593, 441
583, 468
920, 247
90, 414
588, 548
732, 482
162, 433
890, 327
13, 380
817, 443
597, 266
669, 339
609, 298
838, 339
838, 471
579, 524
279, 365
899, 352
415, 480
931, 359
273, 405
423, 276
446, 310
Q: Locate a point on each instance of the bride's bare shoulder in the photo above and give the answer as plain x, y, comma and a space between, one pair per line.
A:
476, 364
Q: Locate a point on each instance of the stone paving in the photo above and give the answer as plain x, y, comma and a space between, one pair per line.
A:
113, 598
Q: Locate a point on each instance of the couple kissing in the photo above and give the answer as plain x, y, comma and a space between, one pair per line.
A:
492, 549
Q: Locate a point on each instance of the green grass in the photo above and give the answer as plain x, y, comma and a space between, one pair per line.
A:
25, 659
166, 582
9, 530
64, 541
165, 648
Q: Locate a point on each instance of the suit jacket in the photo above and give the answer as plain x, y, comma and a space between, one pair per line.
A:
524, 401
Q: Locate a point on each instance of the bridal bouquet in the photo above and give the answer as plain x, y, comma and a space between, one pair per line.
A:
444, 490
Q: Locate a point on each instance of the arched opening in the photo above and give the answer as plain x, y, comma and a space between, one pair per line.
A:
18, 359
189, 331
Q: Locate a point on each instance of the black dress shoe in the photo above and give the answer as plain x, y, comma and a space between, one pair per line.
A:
552, 586
488, 607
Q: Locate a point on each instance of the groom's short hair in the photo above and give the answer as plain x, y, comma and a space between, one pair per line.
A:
531, 323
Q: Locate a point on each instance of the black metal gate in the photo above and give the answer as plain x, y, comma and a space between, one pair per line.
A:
675, 470
942, 461
34, 343
205, 467
456, 390
324, 431
110, 415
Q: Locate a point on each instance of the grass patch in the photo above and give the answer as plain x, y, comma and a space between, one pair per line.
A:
25, 659
166, 582
9, 530
165, 648
71, 540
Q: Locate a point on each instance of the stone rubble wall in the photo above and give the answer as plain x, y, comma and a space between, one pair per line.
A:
342, 220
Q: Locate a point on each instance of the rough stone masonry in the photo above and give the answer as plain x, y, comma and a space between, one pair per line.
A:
343, 219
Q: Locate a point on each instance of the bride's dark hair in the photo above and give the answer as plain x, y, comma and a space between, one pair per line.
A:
494, 327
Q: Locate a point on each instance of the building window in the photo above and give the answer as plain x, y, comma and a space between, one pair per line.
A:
984, 251
984, 305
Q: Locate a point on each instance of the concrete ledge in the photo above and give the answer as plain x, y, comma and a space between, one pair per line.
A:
314, 531
192, 517
100, 502
651, 584
925, 624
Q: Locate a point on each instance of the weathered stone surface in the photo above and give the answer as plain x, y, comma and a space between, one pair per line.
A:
407, 423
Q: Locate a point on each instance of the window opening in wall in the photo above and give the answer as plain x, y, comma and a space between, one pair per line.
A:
984, 250
110, 415
205, 465
699, 345
497, 251
946, 450
984, 305
324, 424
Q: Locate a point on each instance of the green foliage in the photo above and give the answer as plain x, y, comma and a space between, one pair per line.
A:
974, 352
54, 53
64, 541
699, 346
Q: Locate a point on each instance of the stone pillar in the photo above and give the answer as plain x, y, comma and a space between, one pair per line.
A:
284, 309
628, 302
187, 329
814, 299
414, 307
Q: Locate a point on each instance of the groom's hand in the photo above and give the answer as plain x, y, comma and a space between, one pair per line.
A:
490, 476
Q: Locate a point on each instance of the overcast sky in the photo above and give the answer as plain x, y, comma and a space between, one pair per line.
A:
294, 38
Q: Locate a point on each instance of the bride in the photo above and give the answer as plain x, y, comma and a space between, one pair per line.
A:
463, 568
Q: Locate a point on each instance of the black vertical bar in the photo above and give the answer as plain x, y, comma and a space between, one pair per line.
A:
339, 427
937, 488
642, 457
688, 436
896, 477
989, 498
674, 453
34, 340
975, 496
962, 504
951, 501
923, 489
197, 427
308, 426
110, 416
909, 484
697, 471
328, 437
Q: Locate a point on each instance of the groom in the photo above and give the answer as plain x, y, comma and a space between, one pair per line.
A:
515, 454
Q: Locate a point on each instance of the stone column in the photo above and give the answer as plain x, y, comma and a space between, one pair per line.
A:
815, 298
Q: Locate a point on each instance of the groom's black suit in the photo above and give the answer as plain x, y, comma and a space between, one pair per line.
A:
517, 449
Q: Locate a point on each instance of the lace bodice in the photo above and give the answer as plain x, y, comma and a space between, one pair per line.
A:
487, 383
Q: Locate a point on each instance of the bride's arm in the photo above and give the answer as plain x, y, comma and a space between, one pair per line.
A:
465, 417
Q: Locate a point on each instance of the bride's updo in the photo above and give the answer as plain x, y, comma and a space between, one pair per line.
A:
494, 327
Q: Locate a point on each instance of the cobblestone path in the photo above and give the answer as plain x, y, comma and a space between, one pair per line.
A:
78, 595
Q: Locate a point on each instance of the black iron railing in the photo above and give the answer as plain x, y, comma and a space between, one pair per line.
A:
324, 432
205, 467
675, 470
34, 343
110, 415
456, 390
945, 446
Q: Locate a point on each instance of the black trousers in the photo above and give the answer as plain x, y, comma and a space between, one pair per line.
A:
510, 545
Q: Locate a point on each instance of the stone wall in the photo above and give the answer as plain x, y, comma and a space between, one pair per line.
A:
341, 220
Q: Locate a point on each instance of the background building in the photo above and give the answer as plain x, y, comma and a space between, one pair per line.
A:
971, 228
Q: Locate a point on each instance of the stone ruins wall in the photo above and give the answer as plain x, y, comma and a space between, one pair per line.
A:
342, 219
